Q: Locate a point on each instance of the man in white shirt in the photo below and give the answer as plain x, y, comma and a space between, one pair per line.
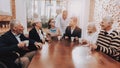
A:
62, 21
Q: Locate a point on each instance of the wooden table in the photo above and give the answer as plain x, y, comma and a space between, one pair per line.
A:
63, 54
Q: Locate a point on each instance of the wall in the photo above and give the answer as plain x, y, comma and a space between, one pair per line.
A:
21, 12
8, 18
18, 12
91, 13
106, 8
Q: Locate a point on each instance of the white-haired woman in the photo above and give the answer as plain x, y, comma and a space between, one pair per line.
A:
36, 32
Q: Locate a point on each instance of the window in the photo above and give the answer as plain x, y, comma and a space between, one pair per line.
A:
44, 9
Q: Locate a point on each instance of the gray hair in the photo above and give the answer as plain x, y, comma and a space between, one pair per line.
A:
108, 19
36, 20
93, 25
14, 23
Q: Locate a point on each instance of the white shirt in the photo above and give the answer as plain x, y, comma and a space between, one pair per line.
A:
41, 35
72, 31
92, 38
17, 37
61, 23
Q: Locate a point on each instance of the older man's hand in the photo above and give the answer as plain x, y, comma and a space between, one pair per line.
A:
93, 46
84, 42
21, 44
38, 45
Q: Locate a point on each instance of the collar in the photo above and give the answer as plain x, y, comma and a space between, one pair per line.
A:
110, 31
16, 34
37, 29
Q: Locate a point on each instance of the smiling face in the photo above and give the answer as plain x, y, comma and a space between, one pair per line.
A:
38, 25
64, 15
91, 28
106, 23
52, 23
18, 28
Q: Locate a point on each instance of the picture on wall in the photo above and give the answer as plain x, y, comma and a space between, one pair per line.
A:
5, 7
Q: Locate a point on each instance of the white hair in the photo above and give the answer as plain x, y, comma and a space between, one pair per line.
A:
36, 20
108, 19
93, 26
14, 23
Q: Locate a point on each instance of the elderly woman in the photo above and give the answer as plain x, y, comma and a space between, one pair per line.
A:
36, 32
53, 31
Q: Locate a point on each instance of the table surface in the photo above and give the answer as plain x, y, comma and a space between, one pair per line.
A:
65, 54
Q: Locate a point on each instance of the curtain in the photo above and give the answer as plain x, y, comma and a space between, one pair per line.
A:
80, 8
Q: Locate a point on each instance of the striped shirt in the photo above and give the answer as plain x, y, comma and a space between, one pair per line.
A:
109, 43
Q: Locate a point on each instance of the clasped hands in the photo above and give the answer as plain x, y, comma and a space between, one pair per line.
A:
38, 45
87, 43
25, 45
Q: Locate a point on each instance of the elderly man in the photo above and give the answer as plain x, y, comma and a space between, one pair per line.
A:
92, 34
108, 40
13, 42
62, 21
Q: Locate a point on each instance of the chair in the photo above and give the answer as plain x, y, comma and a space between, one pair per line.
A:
2, 65
8, 62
